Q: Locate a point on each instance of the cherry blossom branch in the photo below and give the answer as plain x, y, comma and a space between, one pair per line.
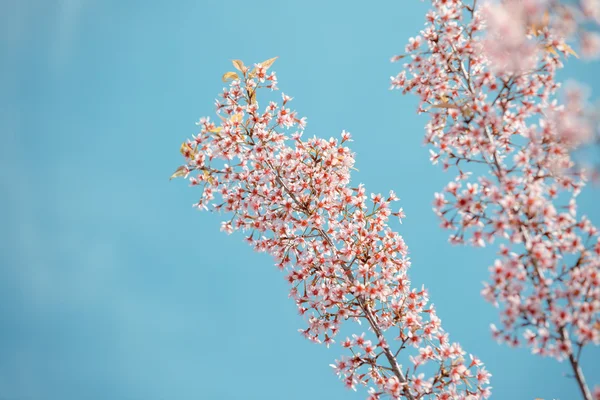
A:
342, 259
483, 108
564, 334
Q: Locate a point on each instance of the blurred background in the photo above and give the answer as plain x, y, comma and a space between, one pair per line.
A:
113, 287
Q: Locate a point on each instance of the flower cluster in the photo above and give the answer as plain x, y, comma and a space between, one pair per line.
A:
511, 44
496, 121
292, 197
519, 21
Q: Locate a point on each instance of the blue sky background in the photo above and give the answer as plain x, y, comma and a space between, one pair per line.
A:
113, 287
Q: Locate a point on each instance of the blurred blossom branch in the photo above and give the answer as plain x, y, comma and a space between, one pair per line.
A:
486, 75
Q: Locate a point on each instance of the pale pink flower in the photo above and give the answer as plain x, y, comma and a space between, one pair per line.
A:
590, 45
